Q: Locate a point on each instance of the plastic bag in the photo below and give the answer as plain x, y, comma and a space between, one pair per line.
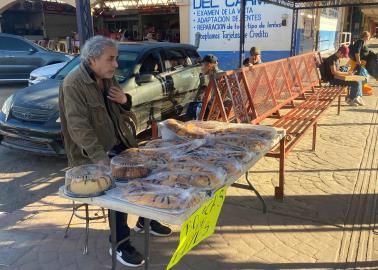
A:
210, 180
154, 196
137, 163
173, 129
228, 165
250, 143
88, 180
174, 145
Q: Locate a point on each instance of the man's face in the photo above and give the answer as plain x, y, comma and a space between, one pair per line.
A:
256, 58
105, 66
207, 67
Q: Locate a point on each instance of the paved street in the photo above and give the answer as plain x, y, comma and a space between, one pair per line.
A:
327, 220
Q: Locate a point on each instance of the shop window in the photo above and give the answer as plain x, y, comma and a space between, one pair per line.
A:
13, 44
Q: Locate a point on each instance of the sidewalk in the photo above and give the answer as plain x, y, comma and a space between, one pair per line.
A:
325, 222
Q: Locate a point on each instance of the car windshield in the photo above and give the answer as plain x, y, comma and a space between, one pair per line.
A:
126, 61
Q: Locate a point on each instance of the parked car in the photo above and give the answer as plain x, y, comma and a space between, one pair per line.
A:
19, 56
43, 73
162, 79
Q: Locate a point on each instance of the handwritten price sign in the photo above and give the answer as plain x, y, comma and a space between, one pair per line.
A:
199, 226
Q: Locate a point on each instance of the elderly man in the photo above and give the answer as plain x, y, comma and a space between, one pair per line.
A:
93, 111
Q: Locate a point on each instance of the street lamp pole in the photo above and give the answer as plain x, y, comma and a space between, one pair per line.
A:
242, 32
84, 20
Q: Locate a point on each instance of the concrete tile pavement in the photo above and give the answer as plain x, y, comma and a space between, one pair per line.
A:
326, 221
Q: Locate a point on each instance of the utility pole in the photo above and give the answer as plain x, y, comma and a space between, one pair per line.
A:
84, 20
242, 31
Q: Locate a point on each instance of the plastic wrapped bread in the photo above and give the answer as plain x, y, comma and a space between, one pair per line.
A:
215, 127
174, 145
249, 143
137, 163
230, 162
155, 196
190, 176
173, 129
88, 180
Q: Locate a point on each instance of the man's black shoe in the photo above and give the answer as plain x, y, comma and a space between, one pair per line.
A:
156, 228
129, 256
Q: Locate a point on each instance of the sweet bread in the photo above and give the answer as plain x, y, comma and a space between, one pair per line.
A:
92, 186
185, 180
228, 164
88, 179
185, 130
136, 163
223, 150
160, 143
221, 128
173, 146
145, 194
249, 143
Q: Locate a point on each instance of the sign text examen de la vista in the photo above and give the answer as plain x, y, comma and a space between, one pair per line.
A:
202, 4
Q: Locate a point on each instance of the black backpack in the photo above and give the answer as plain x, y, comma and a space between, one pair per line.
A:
323, 71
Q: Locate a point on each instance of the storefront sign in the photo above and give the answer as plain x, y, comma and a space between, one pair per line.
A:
199, 226
328, 28
218, 21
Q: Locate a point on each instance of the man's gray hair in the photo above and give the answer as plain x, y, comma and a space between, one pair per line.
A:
94, 48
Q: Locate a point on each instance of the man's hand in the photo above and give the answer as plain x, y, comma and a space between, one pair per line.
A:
117, 95
104, 162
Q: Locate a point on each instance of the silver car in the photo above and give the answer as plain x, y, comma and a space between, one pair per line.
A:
19, 56
43, 73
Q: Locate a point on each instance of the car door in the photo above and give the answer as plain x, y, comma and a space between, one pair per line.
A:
23, 57
181, 78
7, 64
146, 90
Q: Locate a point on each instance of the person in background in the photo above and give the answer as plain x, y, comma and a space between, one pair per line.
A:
93, 111
247, 63
158, 37
331, 69
150, 37
358, 51
255, 58
209, 69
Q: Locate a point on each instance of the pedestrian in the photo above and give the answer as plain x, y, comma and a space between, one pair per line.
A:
255, 58
331, 68
94, 113
149, 37
209, 69
247, 62
69, 47
358, 51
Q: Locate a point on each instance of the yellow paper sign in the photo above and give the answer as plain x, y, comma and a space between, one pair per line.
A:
199, 226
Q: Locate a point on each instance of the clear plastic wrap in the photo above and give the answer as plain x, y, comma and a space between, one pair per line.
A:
88, 181
247, 142
220, 149
186, 175
215, 127
174, 129
137, 163
231, 162
154, 196
174, 145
